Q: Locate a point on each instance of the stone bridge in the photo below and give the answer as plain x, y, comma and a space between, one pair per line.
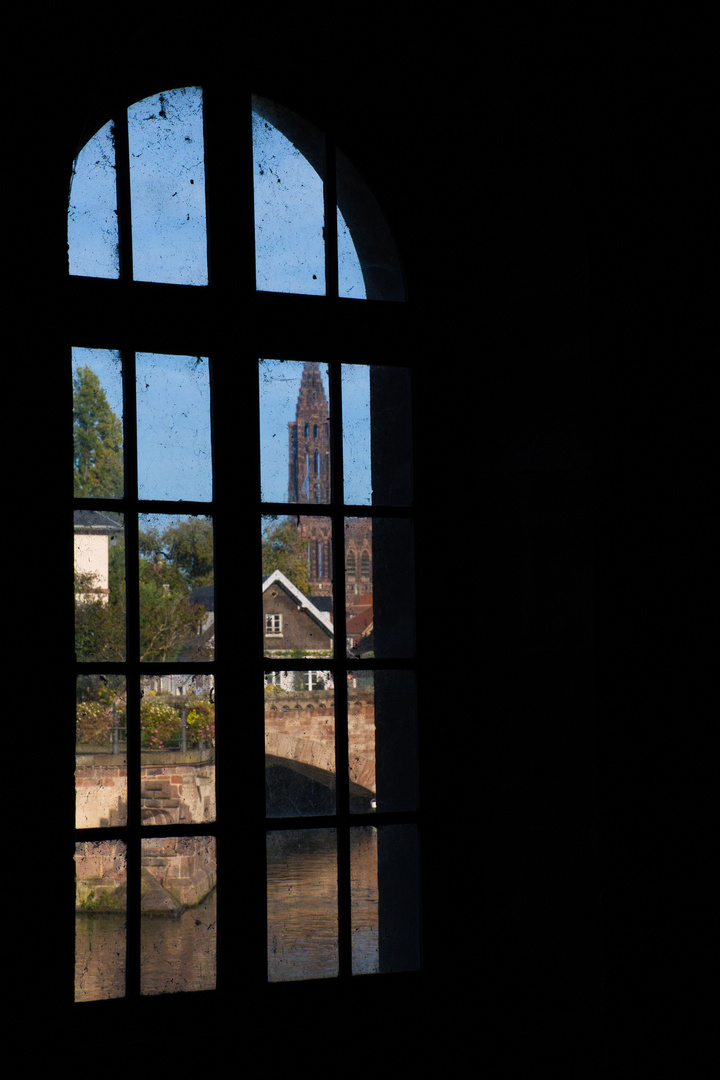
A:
300, 735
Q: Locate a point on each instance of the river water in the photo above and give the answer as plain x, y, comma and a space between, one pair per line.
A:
179, 953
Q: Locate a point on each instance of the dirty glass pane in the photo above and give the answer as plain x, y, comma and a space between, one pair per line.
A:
100, 751
294, 431
177, 739
299, 743
289, 212
391, 421
92, 212
364, 900
167, 187
359, 587
351, 283
99, 567
357, 478
302, 919
173, 423
177, 596
178, 942
379, 567
373, 247
97, 423
382, 741
297, 587
100, 905
391, 698
361, 742
377, 435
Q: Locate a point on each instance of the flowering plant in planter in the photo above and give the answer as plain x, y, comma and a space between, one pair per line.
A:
93, 723
201, 724
160, 723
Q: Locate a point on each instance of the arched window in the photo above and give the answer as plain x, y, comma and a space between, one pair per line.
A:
192, 368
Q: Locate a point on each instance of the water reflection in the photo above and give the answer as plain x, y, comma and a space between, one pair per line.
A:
178, 954
179, 951
302, 904
99, 957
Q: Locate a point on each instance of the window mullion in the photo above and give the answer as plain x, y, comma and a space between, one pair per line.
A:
342, 771
122, 167
132, 670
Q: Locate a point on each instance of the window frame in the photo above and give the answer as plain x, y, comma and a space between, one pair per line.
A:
122, 314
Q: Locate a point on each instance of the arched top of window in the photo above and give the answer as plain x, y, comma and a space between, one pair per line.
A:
294, 169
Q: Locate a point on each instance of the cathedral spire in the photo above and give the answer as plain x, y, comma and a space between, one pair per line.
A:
309, 482
312, 402
309, 441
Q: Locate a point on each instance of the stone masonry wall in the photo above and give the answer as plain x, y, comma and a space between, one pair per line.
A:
176, 788
176, 872
300, 726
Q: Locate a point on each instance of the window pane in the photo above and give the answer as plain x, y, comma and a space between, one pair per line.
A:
289, 211
364, 900
97, 423
361, 742
100, 900
299, 743
294, 432
99, 586
100, 752
173, 421
297, 587
382, 741
92, 213
372, 242
177, 720
376, 435
302, 920
357, 479
178, 930
381, 612
177, 604
398, 855
391, 439
167, 187
351, 283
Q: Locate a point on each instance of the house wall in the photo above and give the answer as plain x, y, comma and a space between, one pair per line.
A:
91, 557
299, 630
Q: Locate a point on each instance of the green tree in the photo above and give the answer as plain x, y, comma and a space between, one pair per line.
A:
99, 625
189, 546
168, 621
173, 563
98, 453
284, 549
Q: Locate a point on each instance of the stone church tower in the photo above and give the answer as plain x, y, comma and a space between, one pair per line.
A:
309, 482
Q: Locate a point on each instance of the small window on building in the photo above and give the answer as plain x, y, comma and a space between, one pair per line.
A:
273, 625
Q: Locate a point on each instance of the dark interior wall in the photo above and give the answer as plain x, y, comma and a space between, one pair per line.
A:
505, 160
